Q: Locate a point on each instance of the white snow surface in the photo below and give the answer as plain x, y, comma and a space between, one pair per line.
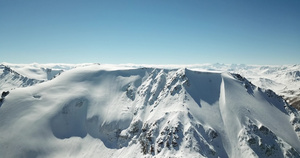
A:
41, 71
131, 110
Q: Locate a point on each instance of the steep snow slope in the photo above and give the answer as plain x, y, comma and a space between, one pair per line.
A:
94, 111
22, 75
283, 79
10, 79
40, 72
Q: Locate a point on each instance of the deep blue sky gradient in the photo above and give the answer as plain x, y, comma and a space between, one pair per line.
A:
150, 32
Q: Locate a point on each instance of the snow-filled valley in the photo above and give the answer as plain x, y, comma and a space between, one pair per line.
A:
94, 110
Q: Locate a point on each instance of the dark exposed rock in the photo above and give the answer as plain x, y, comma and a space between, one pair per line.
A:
4, 94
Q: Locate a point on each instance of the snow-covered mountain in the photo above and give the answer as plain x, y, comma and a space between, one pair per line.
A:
22, 75
10, 79
282, 79
104, 111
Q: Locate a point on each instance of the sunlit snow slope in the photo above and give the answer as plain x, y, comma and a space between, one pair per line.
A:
10, 79
282, 79
98, 112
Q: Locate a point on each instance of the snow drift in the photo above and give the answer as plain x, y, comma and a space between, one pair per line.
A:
93, 111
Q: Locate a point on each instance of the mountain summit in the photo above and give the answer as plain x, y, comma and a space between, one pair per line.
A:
145, 112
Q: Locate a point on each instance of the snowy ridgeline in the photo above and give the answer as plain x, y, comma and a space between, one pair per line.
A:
97, 110
282, 79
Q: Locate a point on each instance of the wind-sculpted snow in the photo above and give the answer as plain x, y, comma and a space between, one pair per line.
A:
282, 79
206, 86
93, 111
10, 79
70, 122
259, 140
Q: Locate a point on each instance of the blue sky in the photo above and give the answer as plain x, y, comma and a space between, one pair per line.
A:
150, 32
